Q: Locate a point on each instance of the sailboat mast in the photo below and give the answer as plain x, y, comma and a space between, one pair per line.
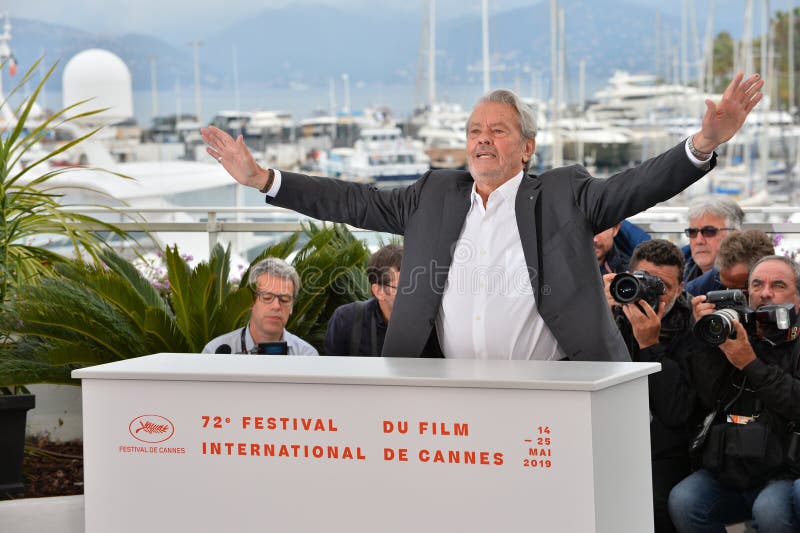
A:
684, 60
791, 105
431, 52
558, 156
485, 34
763, 140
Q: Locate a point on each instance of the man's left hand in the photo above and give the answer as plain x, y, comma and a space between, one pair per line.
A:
645, 322
723, 119
738, 350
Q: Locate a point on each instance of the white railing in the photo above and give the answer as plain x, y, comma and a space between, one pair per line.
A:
214, 221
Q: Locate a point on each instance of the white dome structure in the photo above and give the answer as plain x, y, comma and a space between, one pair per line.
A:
104, 78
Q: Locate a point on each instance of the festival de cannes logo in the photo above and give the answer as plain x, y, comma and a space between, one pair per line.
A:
151, 428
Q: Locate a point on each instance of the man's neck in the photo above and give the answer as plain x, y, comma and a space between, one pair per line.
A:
486, 186
384, 310
259, 337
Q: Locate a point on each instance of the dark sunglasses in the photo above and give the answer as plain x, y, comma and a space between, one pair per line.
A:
707, 231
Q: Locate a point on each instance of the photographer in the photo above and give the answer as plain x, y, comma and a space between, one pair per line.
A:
751, 381
275, 284
661, 336
611, 259
737, 254
359, 328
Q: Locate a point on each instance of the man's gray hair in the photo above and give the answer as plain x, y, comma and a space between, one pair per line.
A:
274, 266
782, 259
525, 115
721, 206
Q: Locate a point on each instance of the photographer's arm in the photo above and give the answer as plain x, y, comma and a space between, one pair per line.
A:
671, 393
709, 371
777, 388
671, 396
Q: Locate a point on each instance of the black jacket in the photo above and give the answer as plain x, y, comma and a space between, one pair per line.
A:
617, 260
340, 330
673, 404
557, 213
771, 389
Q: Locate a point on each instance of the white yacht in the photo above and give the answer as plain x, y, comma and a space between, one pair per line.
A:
442, 130
380, 155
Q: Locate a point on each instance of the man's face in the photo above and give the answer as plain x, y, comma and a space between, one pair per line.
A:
386, 292
734, 277
495, 148
267, 320
772, 282
603, 242
704, 249
669, 275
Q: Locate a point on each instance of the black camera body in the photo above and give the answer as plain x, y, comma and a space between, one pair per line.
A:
273, 348
731, 306
641, 285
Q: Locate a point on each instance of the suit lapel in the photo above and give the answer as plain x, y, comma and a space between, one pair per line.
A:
454, 214
530, 235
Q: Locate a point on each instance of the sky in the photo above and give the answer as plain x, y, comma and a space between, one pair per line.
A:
177, 20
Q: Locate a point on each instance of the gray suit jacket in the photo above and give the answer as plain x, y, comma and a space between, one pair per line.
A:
558, 214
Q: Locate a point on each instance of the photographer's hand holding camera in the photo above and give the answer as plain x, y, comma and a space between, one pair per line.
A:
643, 319
654, 317
746, 369
645, 322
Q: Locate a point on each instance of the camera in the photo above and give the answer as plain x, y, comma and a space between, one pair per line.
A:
273, 348
718, 326
731, 308
641, 285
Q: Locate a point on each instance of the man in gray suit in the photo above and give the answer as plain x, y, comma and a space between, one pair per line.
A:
499, 263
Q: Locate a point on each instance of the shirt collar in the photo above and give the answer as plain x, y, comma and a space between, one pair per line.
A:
507, 191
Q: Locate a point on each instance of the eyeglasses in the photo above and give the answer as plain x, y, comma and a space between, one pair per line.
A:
390, 286
266, 297
707, 231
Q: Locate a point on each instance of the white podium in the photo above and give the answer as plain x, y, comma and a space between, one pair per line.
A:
210, 443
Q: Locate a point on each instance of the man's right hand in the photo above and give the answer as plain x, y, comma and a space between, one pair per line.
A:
701, 308
235, 157
645, 321
607, 279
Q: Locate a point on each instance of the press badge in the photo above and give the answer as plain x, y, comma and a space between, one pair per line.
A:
740, 419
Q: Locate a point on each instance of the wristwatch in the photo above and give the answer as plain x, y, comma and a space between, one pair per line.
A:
702, 156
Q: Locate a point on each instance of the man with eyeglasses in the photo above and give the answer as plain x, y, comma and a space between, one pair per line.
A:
275, 285
359, 328
711, 218
753, 377
662, 336
737, 254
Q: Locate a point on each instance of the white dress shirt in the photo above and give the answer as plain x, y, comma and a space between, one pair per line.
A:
295, 345
488, 309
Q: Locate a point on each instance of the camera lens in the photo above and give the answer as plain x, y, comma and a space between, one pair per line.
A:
716, 327
625, 288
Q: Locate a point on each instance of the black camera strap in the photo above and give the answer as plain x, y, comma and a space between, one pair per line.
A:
244, 344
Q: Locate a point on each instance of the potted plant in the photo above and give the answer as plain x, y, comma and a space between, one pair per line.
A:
101, 314
29, 208
13, 413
